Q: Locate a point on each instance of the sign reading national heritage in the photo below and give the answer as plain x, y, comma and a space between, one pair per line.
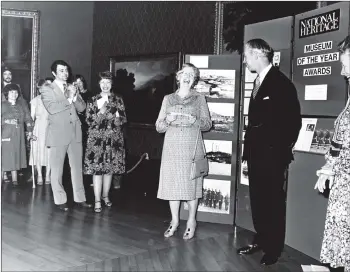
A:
319, 24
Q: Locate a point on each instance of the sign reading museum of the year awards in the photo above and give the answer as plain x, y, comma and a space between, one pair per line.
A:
316, 67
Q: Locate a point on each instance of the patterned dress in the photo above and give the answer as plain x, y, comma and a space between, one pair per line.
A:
179, 144
39, 152
336, 240
105, 153
13, 147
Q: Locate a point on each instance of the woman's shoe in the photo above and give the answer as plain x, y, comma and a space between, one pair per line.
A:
106, 201
98, 209
40, 180
15, 182
189, 233
171, 230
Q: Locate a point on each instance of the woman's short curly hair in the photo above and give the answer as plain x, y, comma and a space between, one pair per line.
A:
195, 70
11, 87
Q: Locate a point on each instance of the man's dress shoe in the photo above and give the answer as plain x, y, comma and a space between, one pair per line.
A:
250, 249
268, 259
84, 205
63, 207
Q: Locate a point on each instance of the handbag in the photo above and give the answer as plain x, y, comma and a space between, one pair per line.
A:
200, 166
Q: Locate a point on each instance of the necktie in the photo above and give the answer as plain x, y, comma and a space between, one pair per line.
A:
65, 89
256, 87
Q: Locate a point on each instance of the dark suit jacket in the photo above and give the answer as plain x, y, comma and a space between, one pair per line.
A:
274, 118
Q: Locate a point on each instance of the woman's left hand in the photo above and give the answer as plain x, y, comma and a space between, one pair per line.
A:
110, 116
192, 119
321, 182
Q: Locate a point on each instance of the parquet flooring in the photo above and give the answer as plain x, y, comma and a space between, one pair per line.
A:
126, 237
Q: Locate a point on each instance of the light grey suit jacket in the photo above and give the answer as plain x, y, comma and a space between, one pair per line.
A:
64, 125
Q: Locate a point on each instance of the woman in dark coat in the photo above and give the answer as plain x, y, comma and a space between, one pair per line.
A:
13, 119
105, 153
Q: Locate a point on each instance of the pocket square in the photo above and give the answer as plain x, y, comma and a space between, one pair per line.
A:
265, 98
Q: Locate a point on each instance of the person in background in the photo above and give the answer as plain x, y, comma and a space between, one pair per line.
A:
274, 122
181, 115
13, 120
105, 152
335, 250
39, 154
7, 79
81, 85
49, 80
64, 134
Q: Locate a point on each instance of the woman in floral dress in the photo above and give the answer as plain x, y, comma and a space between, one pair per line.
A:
105, 153
335, 250
181, 115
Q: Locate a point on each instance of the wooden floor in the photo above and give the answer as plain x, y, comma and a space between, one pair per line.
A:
126, 237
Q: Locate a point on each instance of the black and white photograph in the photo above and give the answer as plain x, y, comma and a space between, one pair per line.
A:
143, 81
219, 155
321, 140
244, 171
216, 196
217, 83
245, 122
222, 116
246, 105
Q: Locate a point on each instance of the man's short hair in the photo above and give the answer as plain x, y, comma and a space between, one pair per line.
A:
262, 46
56, 63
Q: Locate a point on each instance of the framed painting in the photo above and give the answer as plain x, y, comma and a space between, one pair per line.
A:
143, 81
20, 48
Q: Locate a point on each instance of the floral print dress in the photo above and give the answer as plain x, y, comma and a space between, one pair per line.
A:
105, 152
336, 240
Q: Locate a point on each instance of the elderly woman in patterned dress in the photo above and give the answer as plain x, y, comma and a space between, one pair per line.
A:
335, 250
105, 153
13, 119
181, 115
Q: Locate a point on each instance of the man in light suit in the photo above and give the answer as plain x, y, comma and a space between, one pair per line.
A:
64, 134
273, 128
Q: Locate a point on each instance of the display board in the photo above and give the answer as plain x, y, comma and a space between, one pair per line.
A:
316, 67
322, 94
278, 34
219, 82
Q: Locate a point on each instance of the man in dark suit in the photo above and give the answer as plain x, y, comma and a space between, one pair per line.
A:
273, 128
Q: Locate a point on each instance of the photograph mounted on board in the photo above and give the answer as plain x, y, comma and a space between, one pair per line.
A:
143, 81
219, 155
222, 116
217, 83
244, 171
216, 196
321, 140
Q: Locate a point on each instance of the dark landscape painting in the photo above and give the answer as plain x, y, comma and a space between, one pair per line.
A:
143, 81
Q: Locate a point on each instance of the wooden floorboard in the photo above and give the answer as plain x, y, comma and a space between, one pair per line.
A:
126, 237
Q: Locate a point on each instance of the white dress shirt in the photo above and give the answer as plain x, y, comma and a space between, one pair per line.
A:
264, 72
